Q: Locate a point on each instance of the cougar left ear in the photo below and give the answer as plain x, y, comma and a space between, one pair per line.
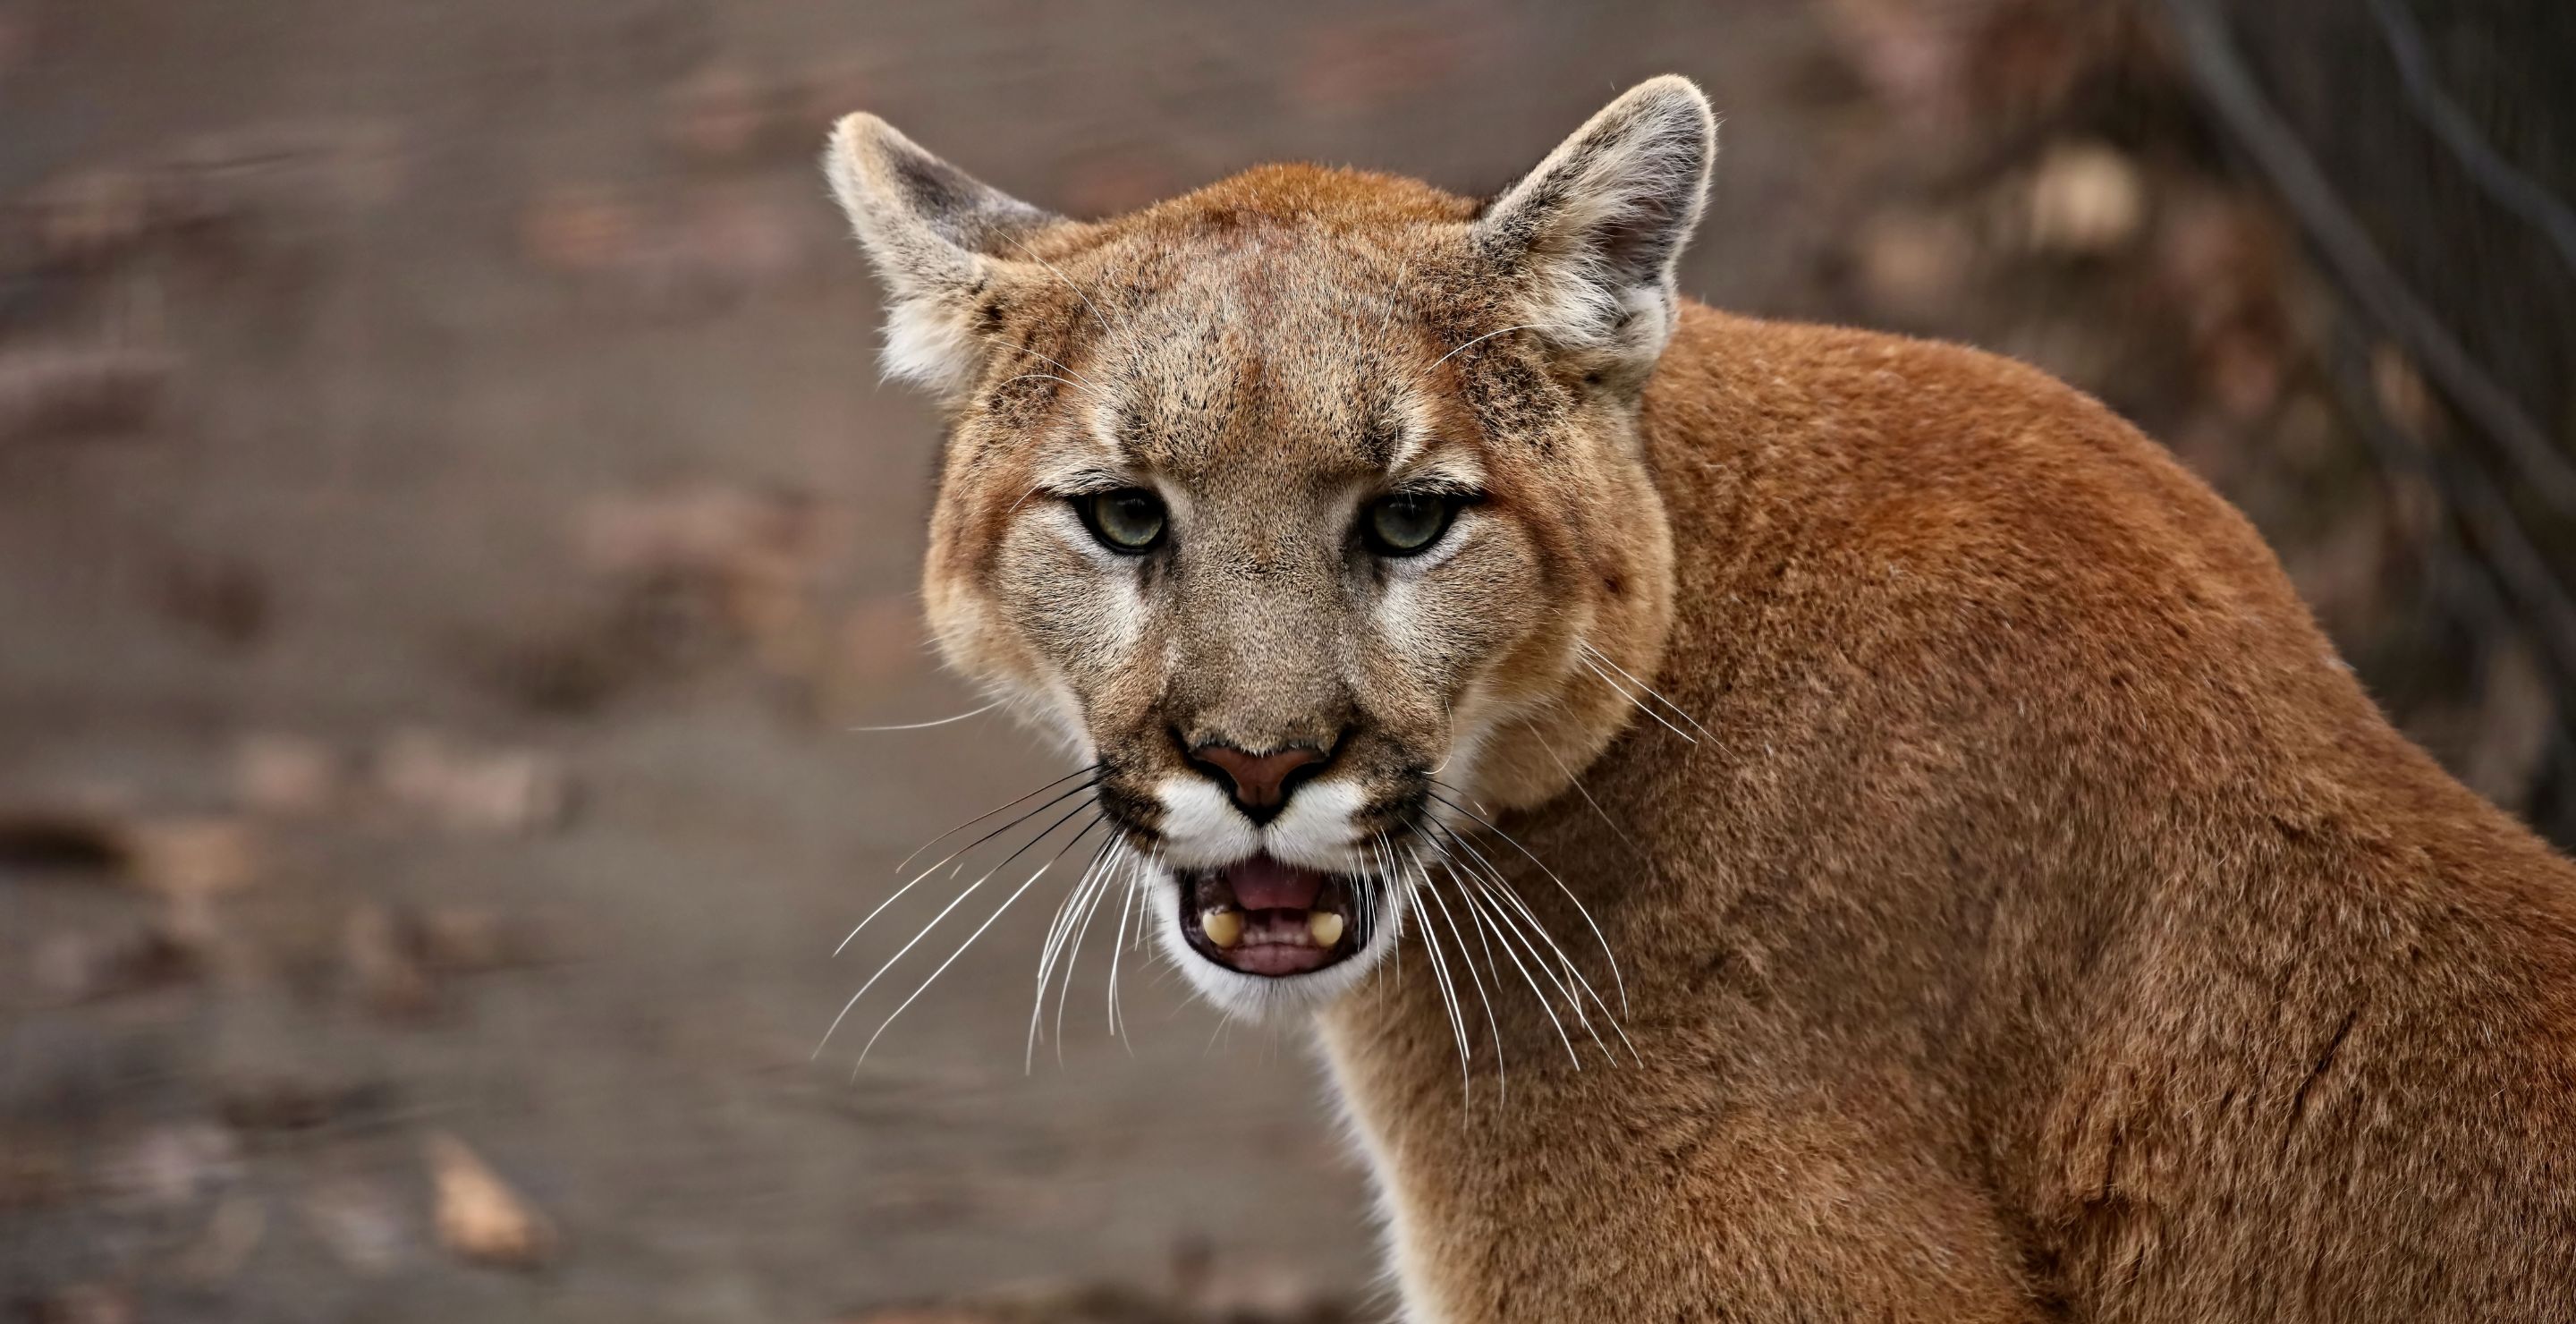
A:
940, 239
1594, 232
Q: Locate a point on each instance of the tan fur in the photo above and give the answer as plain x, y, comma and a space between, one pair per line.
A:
2044, 924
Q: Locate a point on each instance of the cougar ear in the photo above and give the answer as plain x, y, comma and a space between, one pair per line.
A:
1594, 231
940, 239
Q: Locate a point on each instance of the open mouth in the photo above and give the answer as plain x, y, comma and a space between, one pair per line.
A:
1262, 917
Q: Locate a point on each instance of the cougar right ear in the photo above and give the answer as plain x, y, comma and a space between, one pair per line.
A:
941, 240
1593, 232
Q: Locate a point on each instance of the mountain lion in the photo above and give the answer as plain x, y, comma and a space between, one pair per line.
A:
1769, 822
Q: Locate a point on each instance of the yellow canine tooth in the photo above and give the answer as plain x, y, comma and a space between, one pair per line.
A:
1326, 926
1222, 927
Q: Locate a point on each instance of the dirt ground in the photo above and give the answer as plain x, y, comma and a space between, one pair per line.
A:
449, 523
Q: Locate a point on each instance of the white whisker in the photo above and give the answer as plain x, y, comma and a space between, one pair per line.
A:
1616, 976
1469, 894
1064, 991
1449, 999
1633, 701
1054, 939
1526, 326
1068, 282
1492, 1026
924, 726
1117, 945
935, 921
1677, 709
952, 956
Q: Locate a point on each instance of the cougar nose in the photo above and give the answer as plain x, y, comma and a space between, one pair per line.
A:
1261, 782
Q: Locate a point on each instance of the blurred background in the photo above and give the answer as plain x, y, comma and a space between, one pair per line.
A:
450, 524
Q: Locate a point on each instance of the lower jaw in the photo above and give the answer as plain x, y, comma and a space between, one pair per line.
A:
1276, 962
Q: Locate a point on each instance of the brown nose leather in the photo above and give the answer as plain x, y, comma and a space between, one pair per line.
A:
1260, 780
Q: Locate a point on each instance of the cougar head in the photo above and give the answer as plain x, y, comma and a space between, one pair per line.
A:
1308, 507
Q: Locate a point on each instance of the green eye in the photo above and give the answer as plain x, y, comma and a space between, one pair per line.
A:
1407, 523
1129, 520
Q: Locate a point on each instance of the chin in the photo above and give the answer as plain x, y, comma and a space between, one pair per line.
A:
1269, 942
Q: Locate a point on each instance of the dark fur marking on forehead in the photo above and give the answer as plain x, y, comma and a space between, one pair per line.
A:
1379, 439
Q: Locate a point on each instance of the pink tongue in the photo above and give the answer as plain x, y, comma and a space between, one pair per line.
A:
1262, 883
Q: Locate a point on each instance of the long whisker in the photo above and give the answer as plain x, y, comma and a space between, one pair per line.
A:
935, 920
998, 809
1059, 363
1639, 704
1492, 1027
1579, 908
1495, 885
1522, 927
1577, 784
1469, 894
1051, 377
1448, 998
924, 726
1127, 898
1064, 991
961, 947
897, 894
1068, 281
1526, 326
1054, 939
1677, 710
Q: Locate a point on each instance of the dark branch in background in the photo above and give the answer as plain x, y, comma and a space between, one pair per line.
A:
2221, 74
2497, 177
2499, 582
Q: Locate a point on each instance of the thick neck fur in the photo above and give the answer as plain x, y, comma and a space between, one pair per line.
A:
2044, 920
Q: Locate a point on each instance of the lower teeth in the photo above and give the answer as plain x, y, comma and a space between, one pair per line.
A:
1325, 926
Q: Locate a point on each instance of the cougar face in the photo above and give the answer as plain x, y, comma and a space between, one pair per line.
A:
1308, 508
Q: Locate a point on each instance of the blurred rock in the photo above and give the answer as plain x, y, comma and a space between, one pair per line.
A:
396, 958
86, 967
272, 1070
1913, 264
222, 600
473, 939
752, 555
84, 1303
2243, 371
79, 390
184, 858
1939, 64
2403, 394
360, 1221
286, 775
232, 1233
31, 1177
471, 790
194, 858
385, 964
2085, 200
86, 215
173, 1166
478, 1216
